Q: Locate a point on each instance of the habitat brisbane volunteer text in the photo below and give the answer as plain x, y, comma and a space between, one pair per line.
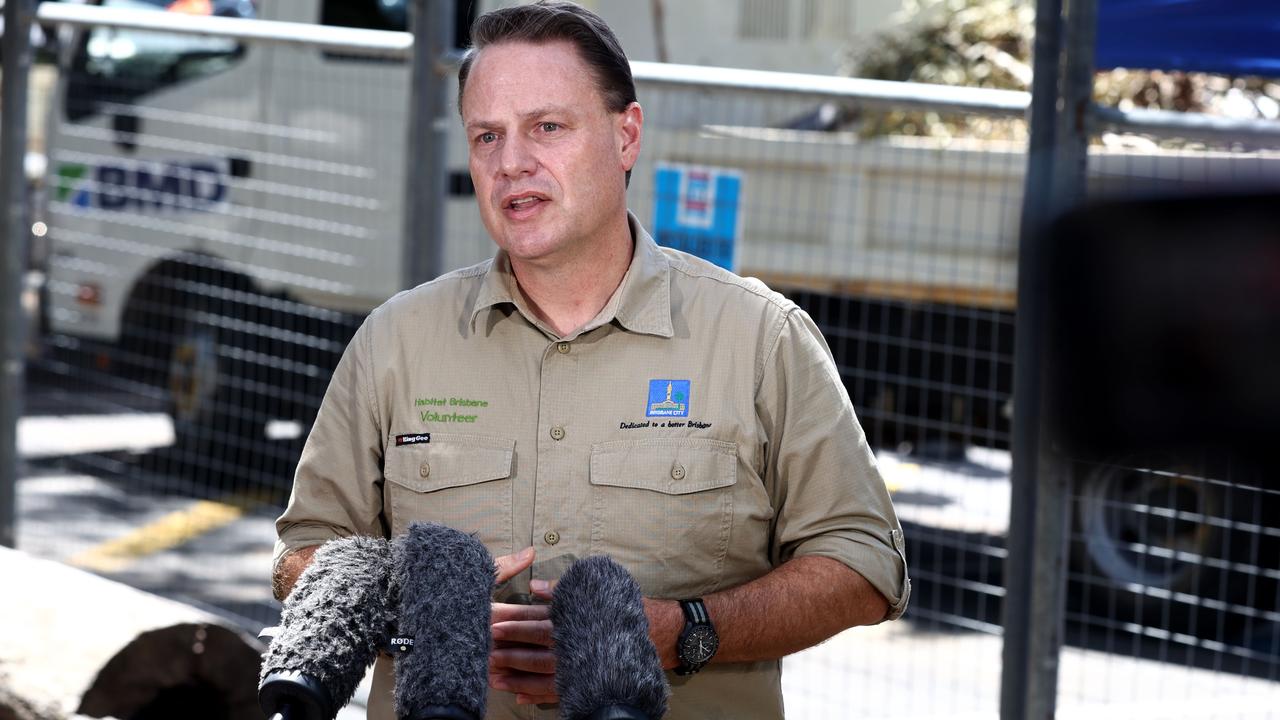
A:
448, 417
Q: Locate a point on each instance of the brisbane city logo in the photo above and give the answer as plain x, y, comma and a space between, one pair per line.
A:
668, 398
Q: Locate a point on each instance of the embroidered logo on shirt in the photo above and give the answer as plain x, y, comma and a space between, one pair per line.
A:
413, 439
457, 403
668, 398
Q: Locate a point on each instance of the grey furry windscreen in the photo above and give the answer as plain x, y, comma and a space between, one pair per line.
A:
601, 639
446, 580
337, 616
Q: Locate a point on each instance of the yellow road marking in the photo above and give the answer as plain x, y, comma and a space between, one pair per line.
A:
892, 484
166, 532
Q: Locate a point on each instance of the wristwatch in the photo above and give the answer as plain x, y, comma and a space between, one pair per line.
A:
698, 640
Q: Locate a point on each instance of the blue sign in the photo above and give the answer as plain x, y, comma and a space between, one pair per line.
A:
697, 210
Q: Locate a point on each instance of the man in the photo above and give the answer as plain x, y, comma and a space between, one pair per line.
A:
588, 392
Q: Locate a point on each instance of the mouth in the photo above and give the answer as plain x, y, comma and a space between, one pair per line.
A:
523, 201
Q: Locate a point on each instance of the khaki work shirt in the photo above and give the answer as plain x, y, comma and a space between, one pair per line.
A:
697, 431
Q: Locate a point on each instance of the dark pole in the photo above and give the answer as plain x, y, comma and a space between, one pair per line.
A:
1040, 506
432, 24
15, 58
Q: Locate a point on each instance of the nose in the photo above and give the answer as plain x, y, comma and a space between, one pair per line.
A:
517, 158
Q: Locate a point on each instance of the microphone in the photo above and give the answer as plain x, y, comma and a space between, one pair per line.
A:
444, 580
606, 666
332, 625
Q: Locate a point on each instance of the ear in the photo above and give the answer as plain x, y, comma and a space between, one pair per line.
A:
630, 127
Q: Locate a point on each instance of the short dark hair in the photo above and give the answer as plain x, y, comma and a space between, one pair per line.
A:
548, 21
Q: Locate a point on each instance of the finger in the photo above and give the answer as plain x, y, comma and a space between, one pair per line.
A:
532, 684
542, 589
505, 612
529, 632
523, 699
524, 659
508, 566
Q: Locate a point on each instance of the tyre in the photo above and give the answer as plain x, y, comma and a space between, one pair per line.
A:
185, 329
228, 363
198, 397
236, 369
1150, 541
153, 317
218, 421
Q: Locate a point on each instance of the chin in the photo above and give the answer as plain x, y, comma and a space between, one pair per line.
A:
528, 245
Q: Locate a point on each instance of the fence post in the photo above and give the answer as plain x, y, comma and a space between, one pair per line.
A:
16, 61
432, 24
1040, 507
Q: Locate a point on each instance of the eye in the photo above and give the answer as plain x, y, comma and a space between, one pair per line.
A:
486, 138
549, 127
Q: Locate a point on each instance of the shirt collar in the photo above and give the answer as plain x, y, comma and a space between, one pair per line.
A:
645, 304
642, 302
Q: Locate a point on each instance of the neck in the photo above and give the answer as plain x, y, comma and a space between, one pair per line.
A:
566, 293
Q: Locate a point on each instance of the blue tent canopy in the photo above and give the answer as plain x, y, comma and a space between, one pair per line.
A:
1230, 37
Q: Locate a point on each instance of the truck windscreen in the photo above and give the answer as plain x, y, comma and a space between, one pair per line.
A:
118, 65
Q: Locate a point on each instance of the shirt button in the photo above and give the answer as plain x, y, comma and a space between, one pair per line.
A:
677, 472
557, 433
424, 470
552, 537
563, 348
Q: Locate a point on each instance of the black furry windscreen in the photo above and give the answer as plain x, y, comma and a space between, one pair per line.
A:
601, 640
337, 616
445, 581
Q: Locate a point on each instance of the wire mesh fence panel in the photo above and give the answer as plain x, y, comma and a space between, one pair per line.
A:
1173, 588
214, 241
1175, 545
903, 250
220, 215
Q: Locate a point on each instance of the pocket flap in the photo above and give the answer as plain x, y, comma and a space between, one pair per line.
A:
449, 460
672, 466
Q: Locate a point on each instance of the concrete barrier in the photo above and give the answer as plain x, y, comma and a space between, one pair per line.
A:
73, 643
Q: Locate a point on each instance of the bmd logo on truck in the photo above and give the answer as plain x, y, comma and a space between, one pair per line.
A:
144, 186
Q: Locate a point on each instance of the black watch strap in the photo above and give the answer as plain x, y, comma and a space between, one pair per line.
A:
698, 641
695, 611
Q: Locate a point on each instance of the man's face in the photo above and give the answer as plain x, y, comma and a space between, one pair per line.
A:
547, 158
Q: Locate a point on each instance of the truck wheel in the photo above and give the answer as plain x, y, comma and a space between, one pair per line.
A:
1145, 529
227, 360
193, 384
148, 328
220, 404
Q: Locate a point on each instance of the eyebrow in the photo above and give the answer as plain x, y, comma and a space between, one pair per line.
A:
547, 110
531, 114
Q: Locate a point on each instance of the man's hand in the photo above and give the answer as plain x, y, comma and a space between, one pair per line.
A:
521, 661
290, 569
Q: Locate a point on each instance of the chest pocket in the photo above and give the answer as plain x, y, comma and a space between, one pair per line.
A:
664, 507
463, 481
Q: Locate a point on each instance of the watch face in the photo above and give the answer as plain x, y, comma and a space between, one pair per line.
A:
699, 645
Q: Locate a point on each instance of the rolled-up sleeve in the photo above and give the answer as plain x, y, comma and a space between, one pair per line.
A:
829, 497
337, 490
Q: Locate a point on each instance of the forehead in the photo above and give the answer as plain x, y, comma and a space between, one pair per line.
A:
512, 73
